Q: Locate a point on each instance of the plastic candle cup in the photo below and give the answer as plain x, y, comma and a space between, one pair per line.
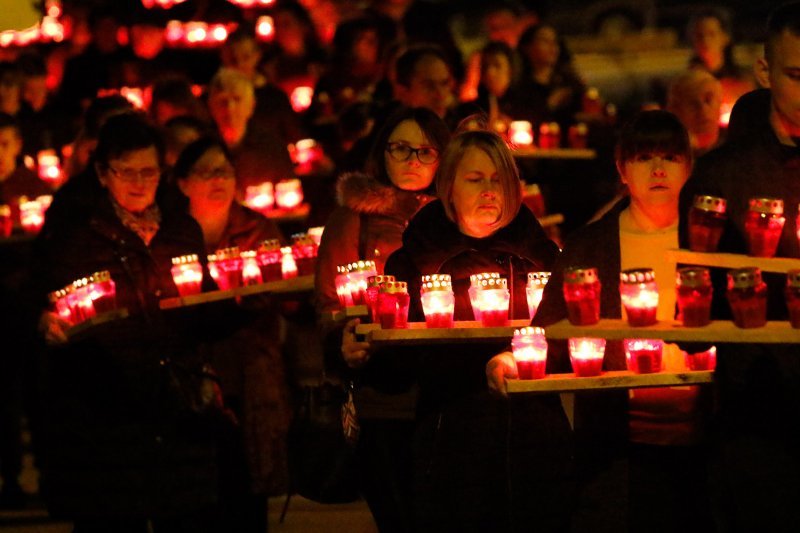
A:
591, 102
530, 352
639, 293
83, 299
342, 282
393, 301
260, 197
71, 297
251, 272
304, 250
374, 284
763, 226
706, 222
187, 273
301, 98
586, 355
747, 296
582, 295
474, 282
229, 268
644, 355
493, 299
520, 133
288, 194
31, 215
549, 135
578, 134
694, 296
438, 300
265, 28
706, 360
103, 292
59, 305
305, 152
268, 257
6, 223
49, 166
358, 272
793, 296
535, 289
288, 266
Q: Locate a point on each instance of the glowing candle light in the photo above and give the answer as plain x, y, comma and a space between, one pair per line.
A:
174, 32
747, 296
520, 133
83, 299
316, 233
643, 355
6, 223
342, 282
31, 215
358, 272
305, 152
228, 265
763, 226
268, 256
535, 290
265, 28
301, 98
288, 265
304, 250
549, 135
374, 284
438, 300
582, 295
260, 197
591, 102
706, 360
393, 302
578, 135
586, 355
134, 95
218, 33
529, 347
59, 305
492, 300
706, 221
49, 166
251, 273
474, 284
102, 292
694, 292
288, 193
187, 273
639, 293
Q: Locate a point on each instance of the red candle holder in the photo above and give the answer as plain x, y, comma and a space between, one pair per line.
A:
747, 296
288, 265
706, 222
582, 295
305, 153
591, 102
187, 273
549, 135
520, 133
288, 194
475, 281
260, 197
694, 296
492, 298
6, 223
49, 166
301, 98
59, 305
374, 284
706, 360
83, 299
763, 226
586, 355
578, 135
268, 256
265, 28
639, 293
393, 301
225, 266
31, 215
251, 272
438, 300
535, 290
342, 282
529, 347
304, 250
644, 355
357, 273
103, 292
793, 296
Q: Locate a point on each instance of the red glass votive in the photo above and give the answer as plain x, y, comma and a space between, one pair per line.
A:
706, 222
535, 290
793, 296
288, 264
59, 305
578, 134
374, 284
393, 301
342, 283
475, 281
582, 295
529, 347
492, 299
304, 250
187, 273
71, 298
31, 215
288, 193
260, 197
747, 296
438, 300
591, 102
644, 355
639, 293
268, 256
251, 272
763, 226
706, 360
586, 355
227, 263
358, 272
520, 133
549, 135
83, 300
316, 234
301, 98
49, 166
304, 152
694, 296
6, 223
103, 292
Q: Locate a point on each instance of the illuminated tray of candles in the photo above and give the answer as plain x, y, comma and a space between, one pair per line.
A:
418, 333
89, 323
776, 332
298, 284
621, 379
294, 214
551, 220
555, 153
724, 260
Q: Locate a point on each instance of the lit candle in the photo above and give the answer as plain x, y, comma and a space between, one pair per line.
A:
269, 260
639, 293
301, 98
316, 233
6, 224
706, 221
578, 135
288, 193
535, 289
342, 282
586, 355
549, 135
305, 253
591, 101
474, 283
187, 273
228, 264
103, 292
393, 301
288, 265
643, 355
520, 133
582, 295
438, 300
174, 32
265, 28
374, 284
260, 197
493, 299
31, 215
83, 299
706, 360
134, 95
747, 296
304, 152
59, 305
529, 347
763, 226
251, 273
49, 166
358, 272
195, 32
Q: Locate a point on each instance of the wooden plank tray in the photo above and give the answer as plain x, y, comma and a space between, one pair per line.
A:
766, 264
778, 332
354, 311
79, 329
621, 379
285, 286
418, 334
555, 153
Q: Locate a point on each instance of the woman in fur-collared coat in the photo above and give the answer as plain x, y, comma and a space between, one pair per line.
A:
374, 209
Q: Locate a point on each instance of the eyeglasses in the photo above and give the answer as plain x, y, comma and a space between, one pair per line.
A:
206, 174
129, 175
402, 152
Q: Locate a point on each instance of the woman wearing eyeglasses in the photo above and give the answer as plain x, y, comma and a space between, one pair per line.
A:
374, 209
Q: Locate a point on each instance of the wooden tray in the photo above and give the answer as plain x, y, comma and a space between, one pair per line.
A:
621, 379
766, 264
285, 286
418, 334
79, 329
555, 153
778, 332
354, 311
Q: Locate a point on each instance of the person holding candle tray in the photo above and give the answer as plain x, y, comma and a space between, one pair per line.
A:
375, 208
128, 440
650, 433
468, 446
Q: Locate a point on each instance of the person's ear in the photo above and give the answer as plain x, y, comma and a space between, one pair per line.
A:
761, 71
101, 175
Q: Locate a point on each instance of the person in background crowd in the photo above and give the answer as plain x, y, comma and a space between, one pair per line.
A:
15, 180
10, 88
374, 210
755, 460
423, 78
173, 97
45, 125
497, 77
179, 133
695, 97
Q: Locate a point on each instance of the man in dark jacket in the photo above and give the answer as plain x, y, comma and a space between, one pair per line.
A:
758, 466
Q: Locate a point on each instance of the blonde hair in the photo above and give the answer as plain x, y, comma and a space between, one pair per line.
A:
497, 150
228, 79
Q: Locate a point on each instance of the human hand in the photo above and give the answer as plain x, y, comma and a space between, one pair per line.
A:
499, 368
53, 328
354, 352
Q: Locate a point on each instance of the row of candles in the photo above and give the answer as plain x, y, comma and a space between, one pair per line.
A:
264, 197
231, 268
520, 134
31, 215
85, 298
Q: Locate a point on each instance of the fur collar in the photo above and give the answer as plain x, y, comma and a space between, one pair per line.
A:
364, 194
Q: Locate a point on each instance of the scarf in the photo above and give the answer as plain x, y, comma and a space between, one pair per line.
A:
145, 225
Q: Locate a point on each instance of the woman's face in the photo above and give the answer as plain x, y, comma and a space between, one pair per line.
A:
410, 174
709, 38
543, 50
211, 183
132, 179
477, 195
496, 74
655, 179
